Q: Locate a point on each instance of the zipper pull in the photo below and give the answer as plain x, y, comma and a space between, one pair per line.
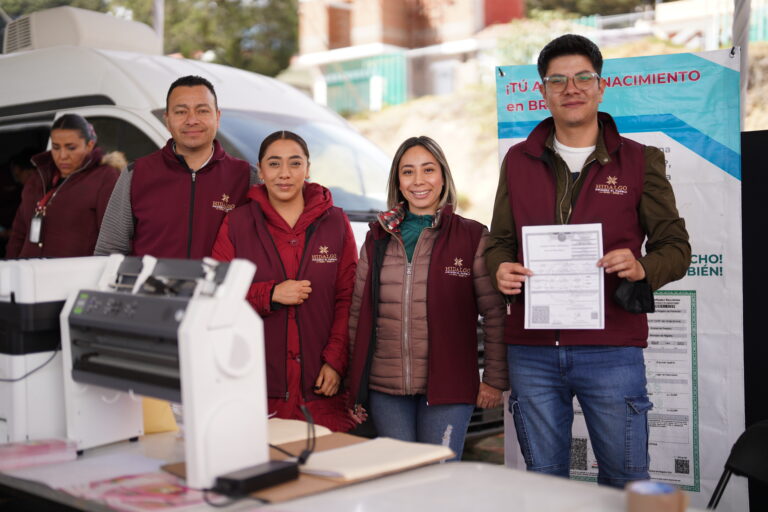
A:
194, 174
508, 303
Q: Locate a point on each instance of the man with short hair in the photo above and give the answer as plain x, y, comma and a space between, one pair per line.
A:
558, 176
169, 204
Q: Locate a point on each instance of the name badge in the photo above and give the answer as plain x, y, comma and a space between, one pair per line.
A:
34, 228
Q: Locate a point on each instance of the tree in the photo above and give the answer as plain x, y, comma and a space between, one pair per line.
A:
587, 7
527, 37
257, 35
16, 8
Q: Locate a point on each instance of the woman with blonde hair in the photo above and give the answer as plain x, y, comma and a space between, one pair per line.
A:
420, 283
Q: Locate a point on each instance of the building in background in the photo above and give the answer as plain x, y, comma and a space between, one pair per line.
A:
357, 55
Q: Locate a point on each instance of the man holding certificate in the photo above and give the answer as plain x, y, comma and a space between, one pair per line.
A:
575, 203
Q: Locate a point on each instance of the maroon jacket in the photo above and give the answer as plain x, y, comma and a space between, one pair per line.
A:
532, 195
177, 212
453, 375
320, 247
73, 215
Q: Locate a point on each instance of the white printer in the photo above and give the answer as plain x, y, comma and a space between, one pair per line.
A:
32, 294
179, 330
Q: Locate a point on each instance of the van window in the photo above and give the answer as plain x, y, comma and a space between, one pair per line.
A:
118, 135
341, 159
18, 137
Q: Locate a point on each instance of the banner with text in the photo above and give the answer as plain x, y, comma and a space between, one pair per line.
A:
688, 106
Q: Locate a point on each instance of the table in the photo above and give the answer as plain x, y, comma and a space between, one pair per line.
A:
446, 487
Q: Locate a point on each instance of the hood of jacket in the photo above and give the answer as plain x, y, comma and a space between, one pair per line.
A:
317, 200
47, 167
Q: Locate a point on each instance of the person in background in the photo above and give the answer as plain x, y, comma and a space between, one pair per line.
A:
575, 168
170, 204
305, 256
13, 176
21, 166
420, 284
64, 201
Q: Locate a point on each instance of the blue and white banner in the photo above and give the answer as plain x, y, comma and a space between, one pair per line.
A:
688, 106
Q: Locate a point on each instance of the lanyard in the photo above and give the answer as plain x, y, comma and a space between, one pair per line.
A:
55, 187
40, 208
36, 224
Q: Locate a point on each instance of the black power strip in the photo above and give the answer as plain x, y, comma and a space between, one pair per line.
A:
247, 480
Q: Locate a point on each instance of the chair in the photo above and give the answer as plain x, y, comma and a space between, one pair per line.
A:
749, 458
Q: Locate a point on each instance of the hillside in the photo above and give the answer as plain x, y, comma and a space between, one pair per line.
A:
464, 124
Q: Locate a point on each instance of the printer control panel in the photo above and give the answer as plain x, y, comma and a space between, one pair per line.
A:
133, 313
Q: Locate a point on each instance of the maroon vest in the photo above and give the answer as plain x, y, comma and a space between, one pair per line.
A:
452, 375
176, 216
251, 239
610, 195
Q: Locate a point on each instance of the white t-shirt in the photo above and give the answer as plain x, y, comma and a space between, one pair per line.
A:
573, 157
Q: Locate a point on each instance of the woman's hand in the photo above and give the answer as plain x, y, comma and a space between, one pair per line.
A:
358, 414
328, 381
291, 292
488, 397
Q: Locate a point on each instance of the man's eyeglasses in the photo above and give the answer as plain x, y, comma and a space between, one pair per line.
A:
582, 81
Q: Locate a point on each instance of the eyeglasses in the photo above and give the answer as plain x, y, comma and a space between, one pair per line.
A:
582, 81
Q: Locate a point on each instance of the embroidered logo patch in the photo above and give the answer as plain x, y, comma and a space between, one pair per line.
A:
224, 205
458, 269
612, 187
324, 256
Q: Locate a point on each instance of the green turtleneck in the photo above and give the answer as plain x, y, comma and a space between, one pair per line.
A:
411, 228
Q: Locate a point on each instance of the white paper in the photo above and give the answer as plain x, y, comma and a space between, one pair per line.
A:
373, 458
566, 289
283, 431
88, 469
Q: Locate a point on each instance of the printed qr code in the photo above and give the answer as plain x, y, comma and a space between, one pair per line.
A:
682, 466
579, 453
540, 314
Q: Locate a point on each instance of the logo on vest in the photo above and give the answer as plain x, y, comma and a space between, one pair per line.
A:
458, 269
224, 205
324, 256
612, 187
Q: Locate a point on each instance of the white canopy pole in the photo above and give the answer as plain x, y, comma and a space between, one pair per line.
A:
741, 15
158, 19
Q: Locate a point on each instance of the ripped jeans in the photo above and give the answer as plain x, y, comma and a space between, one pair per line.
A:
409, 418
610, 385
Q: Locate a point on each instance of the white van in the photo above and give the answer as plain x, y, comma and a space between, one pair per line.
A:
51, 67
110, 71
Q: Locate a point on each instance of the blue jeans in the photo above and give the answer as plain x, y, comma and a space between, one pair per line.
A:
610, 385
409, 418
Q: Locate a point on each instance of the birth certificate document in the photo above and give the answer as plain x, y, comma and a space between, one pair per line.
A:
566, 288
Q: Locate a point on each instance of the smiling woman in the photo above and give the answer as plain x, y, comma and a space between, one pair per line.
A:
420, 285
305, 256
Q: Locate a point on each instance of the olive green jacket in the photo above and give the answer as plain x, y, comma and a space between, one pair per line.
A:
667, 250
